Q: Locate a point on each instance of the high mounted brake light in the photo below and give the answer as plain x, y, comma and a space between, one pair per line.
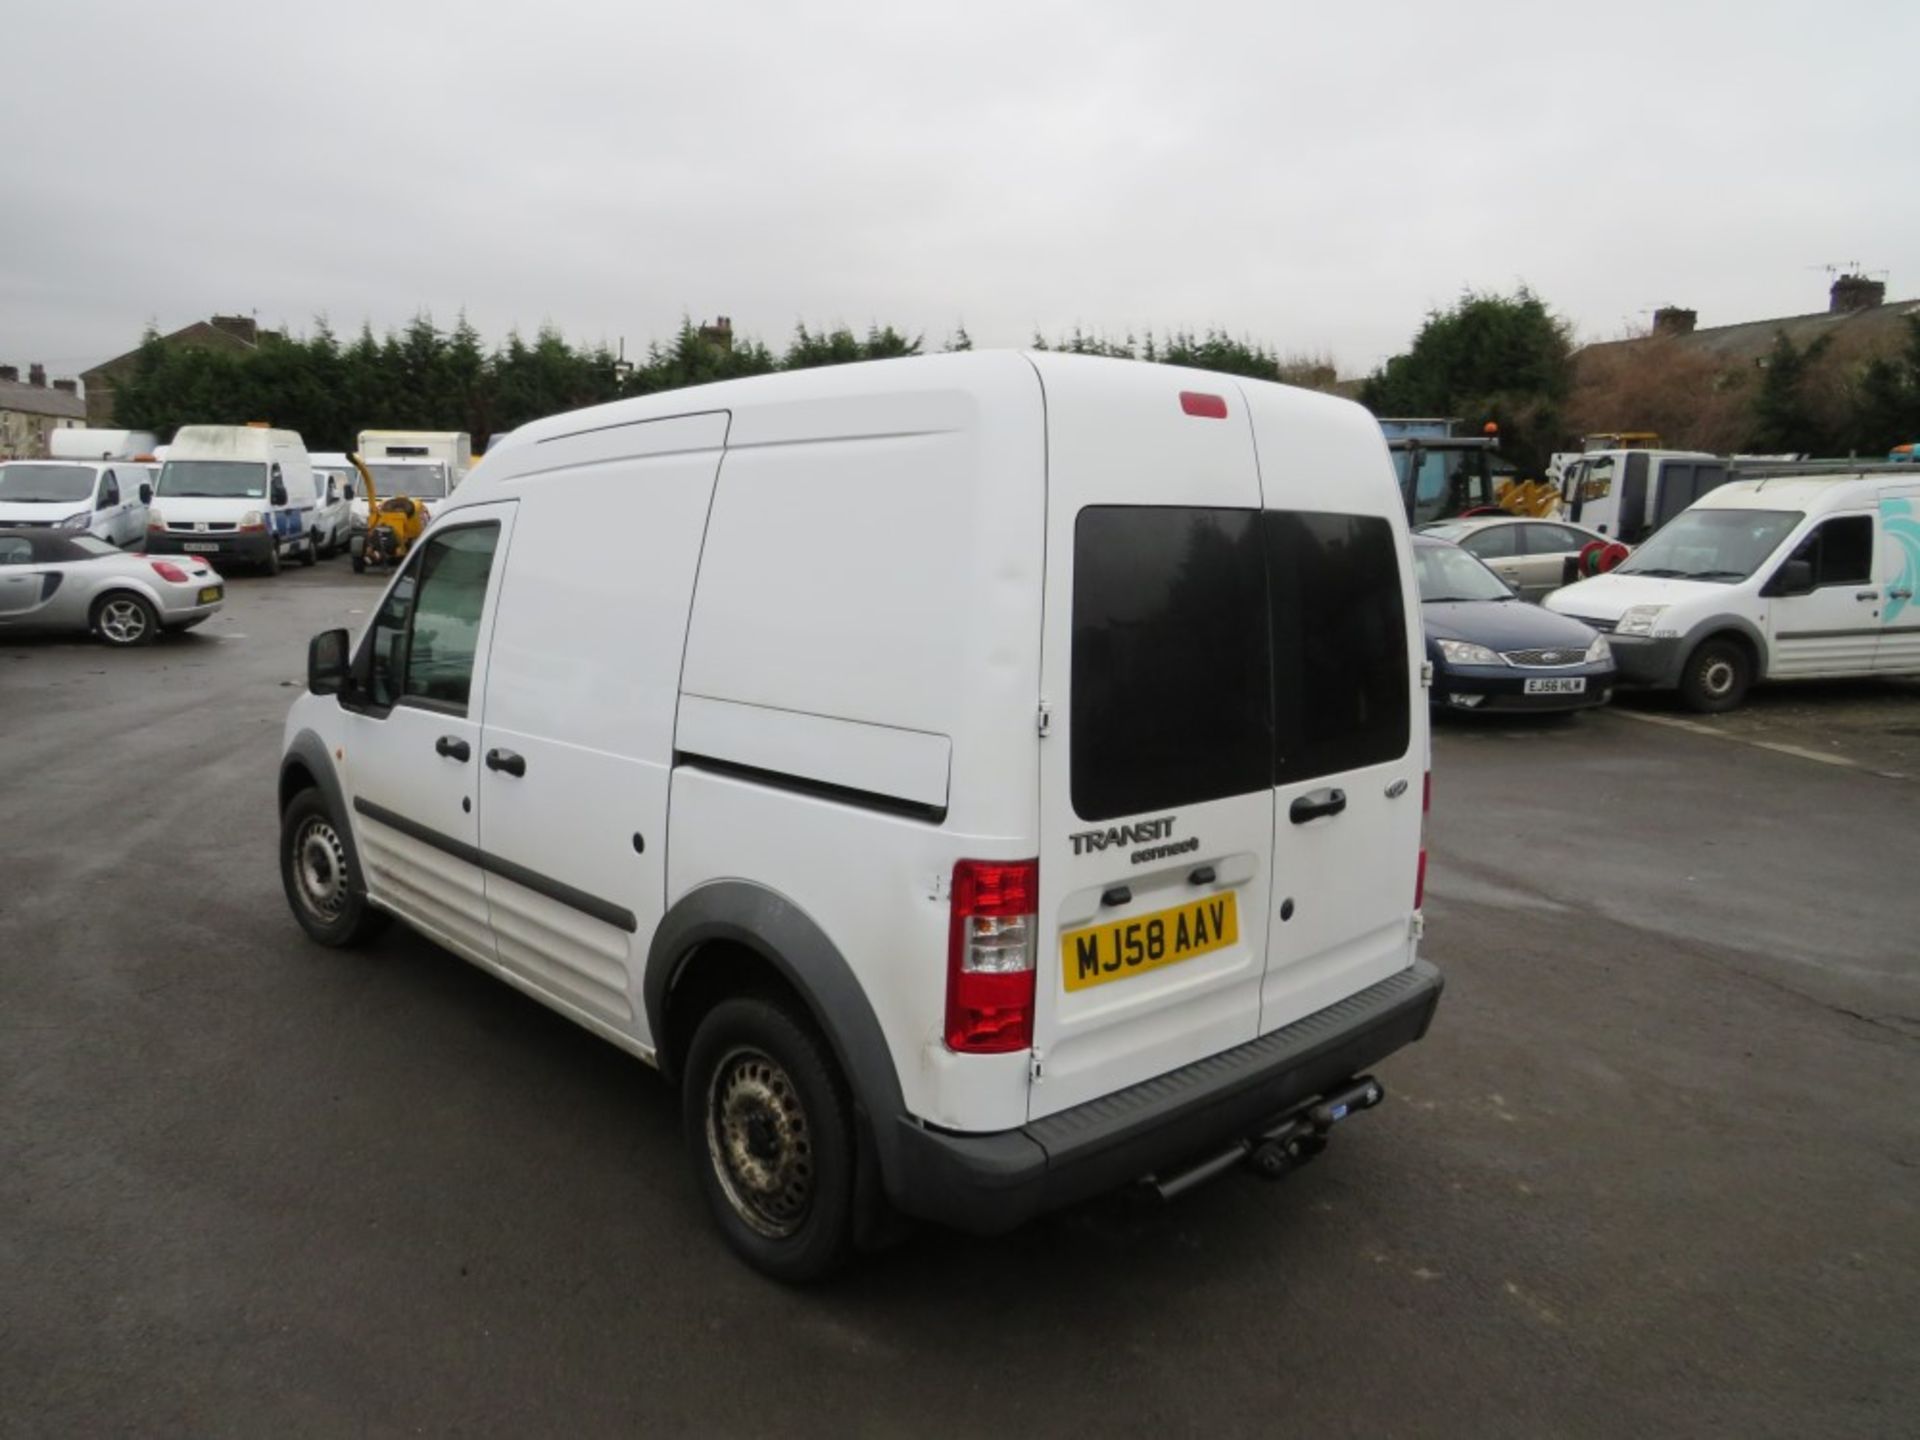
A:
990, 956
1207, 407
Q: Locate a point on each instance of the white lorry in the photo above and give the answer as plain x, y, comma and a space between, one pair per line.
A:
1626, 495
452, 448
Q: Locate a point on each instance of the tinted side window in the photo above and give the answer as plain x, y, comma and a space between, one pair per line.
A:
388, 637
1496, 542
445, 635
1339, 644
1841, 551
1170, 701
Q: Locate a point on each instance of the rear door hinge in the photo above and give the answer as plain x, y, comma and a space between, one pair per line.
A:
1426, 674
1044, 720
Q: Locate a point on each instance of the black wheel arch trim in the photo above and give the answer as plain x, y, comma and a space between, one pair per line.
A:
1724, 625
782, 934
309, 752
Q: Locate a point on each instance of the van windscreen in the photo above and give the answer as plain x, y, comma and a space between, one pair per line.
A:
1217, 652
1170, 691
213, 479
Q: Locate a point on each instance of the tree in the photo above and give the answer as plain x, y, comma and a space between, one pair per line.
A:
1784, 416
1491, 357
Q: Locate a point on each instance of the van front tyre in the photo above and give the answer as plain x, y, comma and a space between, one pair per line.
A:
312, 551
324, 893
271, 565
770, 1132
1716, 676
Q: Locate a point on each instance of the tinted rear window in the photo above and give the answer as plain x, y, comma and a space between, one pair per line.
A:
1218, 652
1170, 668
1339, 644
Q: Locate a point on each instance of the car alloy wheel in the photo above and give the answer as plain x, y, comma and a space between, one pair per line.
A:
760, 1142
125, 620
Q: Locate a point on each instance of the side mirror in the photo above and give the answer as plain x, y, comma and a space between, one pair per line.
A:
327, 663
146, 494
1793, 578
278, 492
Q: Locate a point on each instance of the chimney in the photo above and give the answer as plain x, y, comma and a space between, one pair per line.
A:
37, 374
1855, 292
719, 333
10, 372
69, 387
241, 327
1672, 320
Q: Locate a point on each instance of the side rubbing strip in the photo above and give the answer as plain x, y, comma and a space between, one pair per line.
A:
604, 911
820, 789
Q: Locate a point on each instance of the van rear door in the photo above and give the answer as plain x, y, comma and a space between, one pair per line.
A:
1156, 803
1350, 718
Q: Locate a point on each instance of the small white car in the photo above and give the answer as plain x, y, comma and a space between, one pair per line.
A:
106, 499
51, 580
1775, 578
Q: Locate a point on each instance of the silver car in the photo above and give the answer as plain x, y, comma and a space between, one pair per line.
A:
1530, 555
64, 580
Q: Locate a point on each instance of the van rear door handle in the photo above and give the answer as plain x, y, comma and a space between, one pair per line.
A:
507, 760
453, 748
1316, 803
1899, 594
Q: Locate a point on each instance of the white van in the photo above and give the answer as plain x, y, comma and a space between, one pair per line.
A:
1784, 577
335, 482
980, 780
105, 499
239, 492
452, 448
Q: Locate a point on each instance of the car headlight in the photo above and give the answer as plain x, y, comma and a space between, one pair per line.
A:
1465, 652
155, 520
252, 520
1638, 620
77, 522
1599, 651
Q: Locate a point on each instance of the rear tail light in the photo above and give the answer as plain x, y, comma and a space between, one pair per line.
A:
166, 570
991, 945
1420, 875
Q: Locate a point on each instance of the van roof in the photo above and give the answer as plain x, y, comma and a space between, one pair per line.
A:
771, 399
1796, 492
230, 442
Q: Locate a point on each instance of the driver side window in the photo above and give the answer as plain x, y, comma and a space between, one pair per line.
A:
109, 491
426, 635
1840, 551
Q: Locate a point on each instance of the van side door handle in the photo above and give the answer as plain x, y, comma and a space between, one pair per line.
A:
1899, 594
507, 760
1867, 594
453, 748
1315, 803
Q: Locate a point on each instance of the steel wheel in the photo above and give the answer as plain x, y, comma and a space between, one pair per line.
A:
320, 869
760, 1142
124, 620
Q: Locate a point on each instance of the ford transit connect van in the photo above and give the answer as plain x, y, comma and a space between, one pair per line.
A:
1788, 576
106, 499
239, 493
978, 781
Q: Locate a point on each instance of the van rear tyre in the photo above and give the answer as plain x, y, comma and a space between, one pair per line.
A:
327, 897
770, 1132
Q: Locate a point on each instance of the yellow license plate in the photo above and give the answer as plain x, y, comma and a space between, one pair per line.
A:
209, 594
1148, 942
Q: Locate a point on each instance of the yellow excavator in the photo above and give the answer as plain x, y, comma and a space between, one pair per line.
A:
393, 525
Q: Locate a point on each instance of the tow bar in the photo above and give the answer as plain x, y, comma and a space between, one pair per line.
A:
1276, 1153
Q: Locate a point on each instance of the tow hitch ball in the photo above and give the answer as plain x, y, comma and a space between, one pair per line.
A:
1277, 1153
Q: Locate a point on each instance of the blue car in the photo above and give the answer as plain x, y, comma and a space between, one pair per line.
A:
1492, 651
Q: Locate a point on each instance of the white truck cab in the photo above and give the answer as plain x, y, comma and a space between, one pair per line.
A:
1626, 495
1787, 576
103, 498
979, 781
240, 493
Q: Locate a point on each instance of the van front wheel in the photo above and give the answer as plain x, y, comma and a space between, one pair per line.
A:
1717, 676
317, 873
770, 1132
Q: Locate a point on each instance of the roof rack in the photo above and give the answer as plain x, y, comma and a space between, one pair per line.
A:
1816, 469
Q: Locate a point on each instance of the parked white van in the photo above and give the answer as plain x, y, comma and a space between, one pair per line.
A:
243, 493
980, 781
335, 482
1789, 576
105, 499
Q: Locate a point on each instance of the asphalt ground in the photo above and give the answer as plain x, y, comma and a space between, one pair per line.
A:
1653, 1172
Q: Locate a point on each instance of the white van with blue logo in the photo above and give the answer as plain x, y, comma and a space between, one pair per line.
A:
235, 493
1798, 576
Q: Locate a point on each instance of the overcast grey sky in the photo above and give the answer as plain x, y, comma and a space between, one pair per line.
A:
1313, 176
